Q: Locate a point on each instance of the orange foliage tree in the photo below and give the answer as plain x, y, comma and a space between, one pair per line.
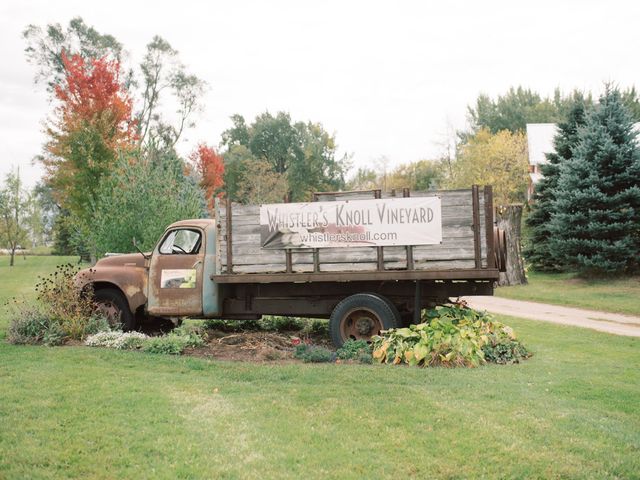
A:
210, 167
92, 123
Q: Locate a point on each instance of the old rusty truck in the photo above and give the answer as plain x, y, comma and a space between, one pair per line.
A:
368, 261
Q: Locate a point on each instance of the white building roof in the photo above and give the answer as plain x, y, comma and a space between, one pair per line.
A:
540, 141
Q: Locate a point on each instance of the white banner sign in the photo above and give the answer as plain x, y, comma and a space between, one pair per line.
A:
352, 223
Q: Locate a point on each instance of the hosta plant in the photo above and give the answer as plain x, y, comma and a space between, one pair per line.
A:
451, 336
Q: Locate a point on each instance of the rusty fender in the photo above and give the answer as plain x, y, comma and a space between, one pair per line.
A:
130, 280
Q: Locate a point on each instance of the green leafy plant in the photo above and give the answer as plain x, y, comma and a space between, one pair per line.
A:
317, 326
353, 349
54, 335
29, 326
365, 358
451, 336
314, 354
231, 326
504, 350
275, 323
195, 336
170, 344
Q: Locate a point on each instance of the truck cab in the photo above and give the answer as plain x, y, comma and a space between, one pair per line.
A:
171, 281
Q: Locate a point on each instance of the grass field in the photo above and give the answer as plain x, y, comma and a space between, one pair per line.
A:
571, 411
608, 295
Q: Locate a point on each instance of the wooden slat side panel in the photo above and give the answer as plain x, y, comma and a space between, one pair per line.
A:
457, 245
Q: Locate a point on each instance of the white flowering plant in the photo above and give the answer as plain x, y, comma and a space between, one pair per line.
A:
118, 340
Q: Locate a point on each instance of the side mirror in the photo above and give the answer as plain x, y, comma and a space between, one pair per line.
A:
135, 245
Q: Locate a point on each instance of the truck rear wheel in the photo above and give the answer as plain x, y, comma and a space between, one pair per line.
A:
113, 305
361, 316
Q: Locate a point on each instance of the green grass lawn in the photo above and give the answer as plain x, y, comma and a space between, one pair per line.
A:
571, 411
608, 295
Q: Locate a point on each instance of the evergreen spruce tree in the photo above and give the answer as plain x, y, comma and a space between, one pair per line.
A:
595, 225
538, 251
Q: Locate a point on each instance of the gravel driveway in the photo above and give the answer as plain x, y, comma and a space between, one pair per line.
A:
615, 323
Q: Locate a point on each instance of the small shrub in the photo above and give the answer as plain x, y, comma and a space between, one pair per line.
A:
65, 304
365, 358
318, 327
60, 311
170, 344
274, 323
352, 349
194, 336
504, 351
97, 323
28, 325
314, 354
54, 335
231, 326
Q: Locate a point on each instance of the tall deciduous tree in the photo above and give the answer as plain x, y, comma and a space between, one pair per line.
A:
162, 71
92, 122
303, 153
499, 160
14, 205
517, 107
596, 220
538, 251
46, 46
209, 166
261, 184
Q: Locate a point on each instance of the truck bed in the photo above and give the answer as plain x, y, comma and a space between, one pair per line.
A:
466, 252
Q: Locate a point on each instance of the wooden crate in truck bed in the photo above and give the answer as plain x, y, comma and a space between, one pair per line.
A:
466, 251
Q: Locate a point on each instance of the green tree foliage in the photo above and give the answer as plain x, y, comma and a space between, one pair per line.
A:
630, 100
161, 70
260, 184
94, 124
512, 111
43, 196
301, 152
538, 251
417, 176
138, 200
493, 159
45, 47
596, 220
364, 179
14, 205
519, 106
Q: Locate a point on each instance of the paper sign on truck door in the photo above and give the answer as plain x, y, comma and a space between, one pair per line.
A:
355, 223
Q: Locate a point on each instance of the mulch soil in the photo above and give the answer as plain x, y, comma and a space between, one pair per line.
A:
254, 346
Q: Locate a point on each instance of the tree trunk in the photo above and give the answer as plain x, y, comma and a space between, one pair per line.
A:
510, 220
13, 255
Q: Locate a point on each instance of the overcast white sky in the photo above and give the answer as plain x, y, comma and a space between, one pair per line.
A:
388, 78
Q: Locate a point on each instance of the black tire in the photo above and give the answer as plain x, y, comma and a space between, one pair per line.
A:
114, 304
361, 316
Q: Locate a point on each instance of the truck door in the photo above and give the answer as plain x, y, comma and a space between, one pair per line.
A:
175, 274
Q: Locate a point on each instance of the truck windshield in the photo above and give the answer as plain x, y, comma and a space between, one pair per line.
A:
182, 241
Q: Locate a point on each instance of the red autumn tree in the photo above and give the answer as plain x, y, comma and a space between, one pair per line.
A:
210, 167
93, 121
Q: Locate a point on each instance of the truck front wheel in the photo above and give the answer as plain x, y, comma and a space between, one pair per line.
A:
113, 305
361, 316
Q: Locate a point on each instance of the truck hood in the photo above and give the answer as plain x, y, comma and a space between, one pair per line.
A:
126, 260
